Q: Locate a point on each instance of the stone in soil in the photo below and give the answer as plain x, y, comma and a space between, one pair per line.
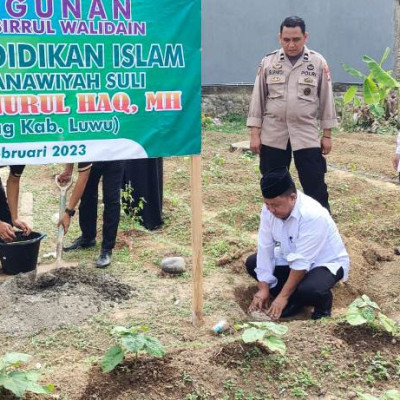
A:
173, 265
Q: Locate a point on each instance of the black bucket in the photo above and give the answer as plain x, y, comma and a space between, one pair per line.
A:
20, 255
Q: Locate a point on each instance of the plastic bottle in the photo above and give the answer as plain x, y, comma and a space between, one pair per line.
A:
221, 326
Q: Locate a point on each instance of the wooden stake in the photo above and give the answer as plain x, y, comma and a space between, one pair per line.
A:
197, 242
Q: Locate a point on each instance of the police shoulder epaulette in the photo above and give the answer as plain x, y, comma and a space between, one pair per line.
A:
315, 53
270, 54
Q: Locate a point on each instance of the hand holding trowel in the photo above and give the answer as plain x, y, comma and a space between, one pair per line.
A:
63, 224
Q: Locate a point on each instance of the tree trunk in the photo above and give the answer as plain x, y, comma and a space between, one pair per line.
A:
396, 50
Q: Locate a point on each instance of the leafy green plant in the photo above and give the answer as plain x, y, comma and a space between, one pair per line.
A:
348, 105
378, 369
206, 121
377, 85
266, 333
131, 341
132, 211
16, 381
388, 395
365, 311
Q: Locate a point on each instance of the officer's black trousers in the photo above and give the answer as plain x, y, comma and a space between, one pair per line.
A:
145, 176
310, 165
313, 290
112, 172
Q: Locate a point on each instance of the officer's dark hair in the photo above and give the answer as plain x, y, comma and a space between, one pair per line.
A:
293, 22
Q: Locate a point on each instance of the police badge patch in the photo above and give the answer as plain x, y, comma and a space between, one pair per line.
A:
310, 67
307, 91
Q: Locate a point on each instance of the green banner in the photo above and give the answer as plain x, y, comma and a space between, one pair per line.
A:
91, 80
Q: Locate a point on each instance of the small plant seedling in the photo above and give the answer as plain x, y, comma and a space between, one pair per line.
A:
266, 333
134, 341
388, 395
16, 381
365, 311
133, 211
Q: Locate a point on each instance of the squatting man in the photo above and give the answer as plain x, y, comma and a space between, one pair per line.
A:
300, 254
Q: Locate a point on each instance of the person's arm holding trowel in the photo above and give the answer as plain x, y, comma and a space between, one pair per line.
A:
64, 178
12, 198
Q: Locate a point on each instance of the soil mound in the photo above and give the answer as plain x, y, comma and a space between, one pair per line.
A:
62, 297
156, 376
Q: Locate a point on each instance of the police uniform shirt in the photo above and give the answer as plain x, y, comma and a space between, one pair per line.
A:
292, 101
307, 239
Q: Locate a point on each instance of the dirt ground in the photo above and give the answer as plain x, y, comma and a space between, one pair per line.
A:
64, 319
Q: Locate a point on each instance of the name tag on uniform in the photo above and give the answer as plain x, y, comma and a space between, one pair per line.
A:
275, 72
309, 73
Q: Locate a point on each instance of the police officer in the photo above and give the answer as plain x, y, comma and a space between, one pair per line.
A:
292, 100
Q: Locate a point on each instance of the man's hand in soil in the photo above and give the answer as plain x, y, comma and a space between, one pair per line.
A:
277, 306
7, 233
25, 228
259, 300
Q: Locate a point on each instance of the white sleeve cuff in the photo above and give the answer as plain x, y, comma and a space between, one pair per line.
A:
267, 277
329, 123
298, 262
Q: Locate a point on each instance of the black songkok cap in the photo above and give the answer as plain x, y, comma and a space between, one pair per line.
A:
275, 182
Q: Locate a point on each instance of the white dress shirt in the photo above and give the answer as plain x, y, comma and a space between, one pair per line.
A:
307, 239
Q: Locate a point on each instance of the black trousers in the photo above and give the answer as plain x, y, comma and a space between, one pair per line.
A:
145, 176
111, 172
310, 165
313, 290
5, 214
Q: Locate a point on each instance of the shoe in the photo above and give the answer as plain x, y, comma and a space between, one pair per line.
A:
80, 243
104, 259
318, 314
291, 309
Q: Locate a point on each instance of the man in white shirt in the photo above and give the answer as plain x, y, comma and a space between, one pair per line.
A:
300, 255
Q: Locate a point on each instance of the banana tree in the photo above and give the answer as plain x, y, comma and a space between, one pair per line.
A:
377, 85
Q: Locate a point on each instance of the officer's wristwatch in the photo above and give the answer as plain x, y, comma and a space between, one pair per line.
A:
70, 212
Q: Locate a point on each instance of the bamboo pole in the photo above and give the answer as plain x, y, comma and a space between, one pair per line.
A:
197, 242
